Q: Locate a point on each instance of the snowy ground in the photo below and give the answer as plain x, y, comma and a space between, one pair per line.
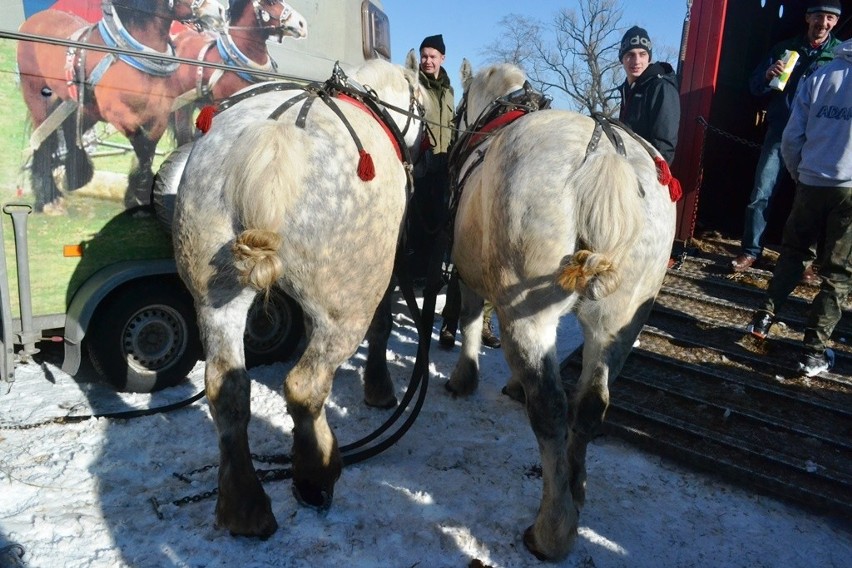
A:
458, 487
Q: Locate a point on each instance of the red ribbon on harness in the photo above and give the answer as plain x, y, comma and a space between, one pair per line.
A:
665, 177
205, 118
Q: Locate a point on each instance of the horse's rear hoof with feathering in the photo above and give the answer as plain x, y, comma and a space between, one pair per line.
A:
273, 195
550, 222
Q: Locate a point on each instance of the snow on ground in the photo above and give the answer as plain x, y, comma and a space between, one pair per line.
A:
459, 486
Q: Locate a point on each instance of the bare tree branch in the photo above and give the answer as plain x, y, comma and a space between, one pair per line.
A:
575, 56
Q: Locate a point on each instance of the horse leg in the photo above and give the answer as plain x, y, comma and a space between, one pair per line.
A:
608, 342
242, 506
378, 387
181, 123
79, 169
317, 462
465, 376
530, 349
43, 184
140, 181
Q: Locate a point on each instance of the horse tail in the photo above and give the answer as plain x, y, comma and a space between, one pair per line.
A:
609, 218
261, 182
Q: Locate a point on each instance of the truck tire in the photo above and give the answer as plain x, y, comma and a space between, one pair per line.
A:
273, 329
145, 336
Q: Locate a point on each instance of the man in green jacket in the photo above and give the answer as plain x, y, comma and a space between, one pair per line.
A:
431, 175
432, 186
814, 48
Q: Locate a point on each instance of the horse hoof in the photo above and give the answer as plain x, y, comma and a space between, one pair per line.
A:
309, 495
251, 517
55, 208
559, 549
516, 393
529, 542
382, 405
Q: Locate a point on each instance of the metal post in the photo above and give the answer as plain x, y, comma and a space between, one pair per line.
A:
19, 213
7, 345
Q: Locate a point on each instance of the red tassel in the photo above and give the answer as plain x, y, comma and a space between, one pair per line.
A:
366, 169
675, 191
664, 174
205, 118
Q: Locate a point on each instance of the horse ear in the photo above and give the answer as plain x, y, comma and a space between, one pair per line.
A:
411, 60
466, 73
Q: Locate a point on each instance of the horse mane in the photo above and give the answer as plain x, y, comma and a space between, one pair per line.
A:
501, 78
491, 83
379, 75
132, 12
236, 7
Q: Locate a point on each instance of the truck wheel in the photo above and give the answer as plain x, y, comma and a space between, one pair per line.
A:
273, 329
144, 337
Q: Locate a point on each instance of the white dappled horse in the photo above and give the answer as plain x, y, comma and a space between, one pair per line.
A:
548, 224
277, 193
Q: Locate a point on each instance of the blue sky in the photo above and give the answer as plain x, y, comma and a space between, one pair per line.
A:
468, 26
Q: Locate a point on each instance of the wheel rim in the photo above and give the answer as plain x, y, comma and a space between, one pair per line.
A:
154, 338
267, 325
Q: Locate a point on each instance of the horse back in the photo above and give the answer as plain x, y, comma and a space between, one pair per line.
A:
519, 209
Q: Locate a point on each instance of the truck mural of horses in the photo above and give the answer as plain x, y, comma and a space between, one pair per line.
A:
241, 45
68, 91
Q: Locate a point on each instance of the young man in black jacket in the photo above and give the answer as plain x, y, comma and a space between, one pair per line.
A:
650, 98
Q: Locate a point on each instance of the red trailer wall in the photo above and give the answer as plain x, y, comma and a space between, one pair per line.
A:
716, 164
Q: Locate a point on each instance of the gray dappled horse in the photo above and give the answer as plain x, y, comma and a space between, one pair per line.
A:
264, 202
546, 225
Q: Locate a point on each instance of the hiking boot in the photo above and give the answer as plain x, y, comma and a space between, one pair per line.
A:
812, 364
743, 262
760, 323
488, 337
447, 337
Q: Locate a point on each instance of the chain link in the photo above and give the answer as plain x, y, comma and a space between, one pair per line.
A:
263, 475
57, 420
728, 135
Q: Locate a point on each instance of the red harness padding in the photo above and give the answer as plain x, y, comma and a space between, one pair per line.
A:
365, 108
496, 124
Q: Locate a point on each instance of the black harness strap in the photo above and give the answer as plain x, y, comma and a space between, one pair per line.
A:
287, 104
604, 125
258, 90
302, 117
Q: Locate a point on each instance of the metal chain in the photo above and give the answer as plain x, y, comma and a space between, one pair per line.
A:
263, 476
728, 135
57, 420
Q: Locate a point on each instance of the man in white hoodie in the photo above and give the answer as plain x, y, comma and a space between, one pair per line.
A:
817, 150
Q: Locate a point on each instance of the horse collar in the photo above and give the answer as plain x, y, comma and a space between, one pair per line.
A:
232, 56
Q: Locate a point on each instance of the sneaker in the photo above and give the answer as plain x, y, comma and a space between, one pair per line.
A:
743, 262
447, 337
810, 276
760, 323
812, 364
